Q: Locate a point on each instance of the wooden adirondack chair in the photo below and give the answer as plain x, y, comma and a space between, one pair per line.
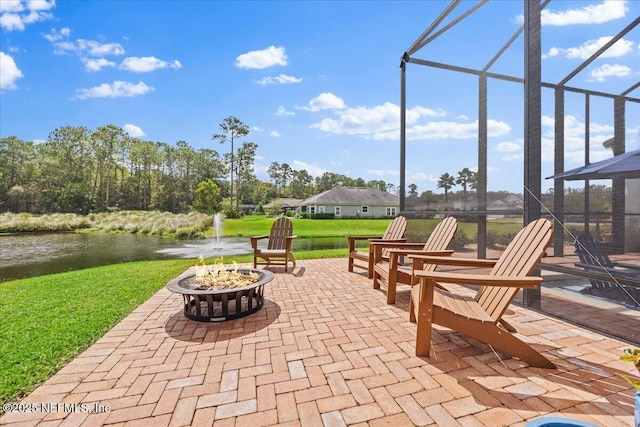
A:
479, 317
594, 258
278, 250
393, 273
393, 233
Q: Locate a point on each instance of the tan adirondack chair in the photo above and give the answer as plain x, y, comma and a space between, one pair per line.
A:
278, 250
394, 233
479, 317
393, 272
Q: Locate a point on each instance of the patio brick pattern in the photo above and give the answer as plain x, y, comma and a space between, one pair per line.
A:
326, 350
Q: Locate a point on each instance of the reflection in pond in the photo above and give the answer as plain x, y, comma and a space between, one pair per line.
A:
30, 255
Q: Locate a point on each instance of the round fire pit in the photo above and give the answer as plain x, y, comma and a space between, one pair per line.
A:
217, 305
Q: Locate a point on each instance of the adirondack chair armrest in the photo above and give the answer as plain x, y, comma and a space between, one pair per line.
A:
381, 240
353, 239
414, 252
628, 266
288, 241
394, 254
391, 244
480, 279
254, 240
460, 262
607, 270
363, 237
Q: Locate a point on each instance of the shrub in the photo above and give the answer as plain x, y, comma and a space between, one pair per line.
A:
322, 216
460, 240
189, 233
233, 213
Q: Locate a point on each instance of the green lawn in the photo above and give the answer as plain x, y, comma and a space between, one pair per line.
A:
255, 225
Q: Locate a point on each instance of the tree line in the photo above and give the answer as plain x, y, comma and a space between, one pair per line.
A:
80, 170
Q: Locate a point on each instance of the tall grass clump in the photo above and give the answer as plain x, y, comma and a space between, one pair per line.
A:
142, 222
24, 223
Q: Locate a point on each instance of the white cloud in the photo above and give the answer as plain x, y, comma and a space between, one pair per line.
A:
147, 64
257, 128
455, 130
16, 14
419, 177
588, 48
11, 6
56, 35
281, 79
133, 130
117, 89
383, 172
507, 147
275, 134
610, 70
9, 72
92, 65
283, 112
324, 101
574, 139
259, 59
379, 122
605, 11
312, 169
62, 45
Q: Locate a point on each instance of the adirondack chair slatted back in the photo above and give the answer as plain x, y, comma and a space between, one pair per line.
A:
440, 238
590, 252
394, 231
520, 258
280, 230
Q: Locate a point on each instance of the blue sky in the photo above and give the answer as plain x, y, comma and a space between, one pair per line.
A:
317, 82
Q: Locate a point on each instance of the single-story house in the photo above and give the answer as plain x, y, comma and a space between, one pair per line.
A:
352, 202
283, 204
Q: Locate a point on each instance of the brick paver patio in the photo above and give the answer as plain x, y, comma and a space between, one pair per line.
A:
326, 350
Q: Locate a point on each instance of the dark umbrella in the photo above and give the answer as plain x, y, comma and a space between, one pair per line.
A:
625, 165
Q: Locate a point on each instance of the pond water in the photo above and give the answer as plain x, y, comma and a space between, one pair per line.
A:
30, 255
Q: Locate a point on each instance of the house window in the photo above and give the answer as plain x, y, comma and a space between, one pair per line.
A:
338, 210
391, 211
320, 209
312, 209
364, 209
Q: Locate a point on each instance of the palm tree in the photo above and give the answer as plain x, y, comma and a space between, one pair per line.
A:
446, 181
466, 177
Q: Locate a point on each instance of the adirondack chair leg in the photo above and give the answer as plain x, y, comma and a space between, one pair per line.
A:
370, 269
508, 326
392, 281
376, 279
288, 258
423, 293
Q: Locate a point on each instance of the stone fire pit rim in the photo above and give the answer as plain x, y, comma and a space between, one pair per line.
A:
174, 284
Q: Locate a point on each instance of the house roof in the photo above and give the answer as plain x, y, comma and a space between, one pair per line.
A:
284, 202
352, 196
